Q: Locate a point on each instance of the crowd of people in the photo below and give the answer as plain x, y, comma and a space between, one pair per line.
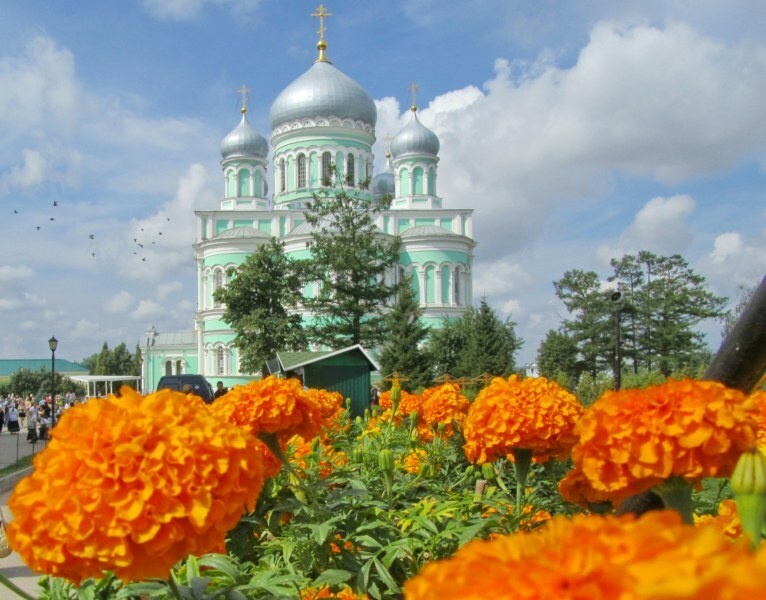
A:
30, 414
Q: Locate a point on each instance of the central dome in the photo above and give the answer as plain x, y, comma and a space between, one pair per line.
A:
323, 91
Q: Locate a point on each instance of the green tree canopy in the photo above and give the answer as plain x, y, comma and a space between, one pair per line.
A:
350, 258
262, 302
403, 350
476, 343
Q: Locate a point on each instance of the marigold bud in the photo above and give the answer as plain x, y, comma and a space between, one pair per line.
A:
386, 461
748, 482
488, 471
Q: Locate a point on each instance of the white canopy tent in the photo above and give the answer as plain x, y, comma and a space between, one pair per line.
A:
107, 380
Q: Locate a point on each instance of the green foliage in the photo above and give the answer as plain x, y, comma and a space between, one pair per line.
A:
476, 343
350, 259
557, 358
38, 383
663, 301
261, 302
116, 361
403, 349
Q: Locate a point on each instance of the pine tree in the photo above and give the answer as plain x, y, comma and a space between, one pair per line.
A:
261, 305
350, 258
403, 350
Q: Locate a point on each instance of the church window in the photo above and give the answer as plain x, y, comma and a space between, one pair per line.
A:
301, 171
179, 367
456, 288
220, 361
350, 170
217, 285
244, 183
326, 165
282, 175
417, 180
368, 173
169, 367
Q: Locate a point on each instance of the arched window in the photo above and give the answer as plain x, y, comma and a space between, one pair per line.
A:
417, 180
301, 171
169, 367
326, 164
456, 288
282, 175
350, 170
244, 183
179, 367
368, 170
220, 361
217, 285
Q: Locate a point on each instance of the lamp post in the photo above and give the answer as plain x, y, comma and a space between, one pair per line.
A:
618, 303
53, 344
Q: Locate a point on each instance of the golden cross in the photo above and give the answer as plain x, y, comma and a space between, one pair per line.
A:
413, 89
243, 91
321, 13
388, 139
395, 376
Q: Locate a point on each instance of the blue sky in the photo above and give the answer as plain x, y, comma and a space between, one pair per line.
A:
576, 130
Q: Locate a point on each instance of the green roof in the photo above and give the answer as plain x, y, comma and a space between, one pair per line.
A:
8, 366
292, 360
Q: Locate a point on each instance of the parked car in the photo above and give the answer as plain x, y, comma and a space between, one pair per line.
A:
198, 384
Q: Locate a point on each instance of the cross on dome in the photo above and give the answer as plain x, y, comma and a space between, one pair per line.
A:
321, 13
243, 91
413, 89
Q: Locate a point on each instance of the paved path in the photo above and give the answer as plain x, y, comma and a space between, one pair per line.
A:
13, 447
14, 568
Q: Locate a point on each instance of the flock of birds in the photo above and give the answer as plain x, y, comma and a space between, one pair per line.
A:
92, 236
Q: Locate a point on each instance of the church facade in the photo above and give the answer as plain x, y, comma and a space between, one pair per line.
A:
322, 126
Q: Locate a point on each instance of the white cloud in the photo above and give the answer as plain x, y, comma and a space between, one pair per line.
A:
146, 310
166, 289
120, 302
189, 10
9, 273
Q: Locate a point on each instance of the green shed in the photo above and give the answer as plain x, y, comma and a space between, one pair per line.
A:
346, 371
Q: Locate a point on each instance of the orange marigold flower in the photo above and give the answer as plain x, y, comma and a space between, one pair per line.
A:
576, 488
727, 520
414, 461
272, 405
408, 404
330, 405
344, 593
272, 465
298, 449
759, 399
632, 440
133, 485
653, 557
443, 404
531, 414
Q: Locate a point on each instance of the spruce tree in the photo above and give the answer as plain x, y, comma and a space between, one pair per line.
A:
350, 258
403, 350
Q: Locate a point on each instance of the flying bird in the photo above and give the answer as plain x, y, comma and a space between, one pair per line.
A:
52, 219
15, 212
160, 233
143, 259
55, 203
93, 254
168, 218
38, 228
91, 236
141, 245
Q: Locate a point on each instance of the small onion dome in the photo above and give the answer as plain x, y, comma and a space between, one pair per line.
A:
383, 183
244, 141
415, 138
323, 91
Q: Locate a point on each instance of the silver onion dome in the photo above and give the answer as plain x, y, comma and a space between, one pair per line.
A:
383, 183
415, 138
244, 141
323, 91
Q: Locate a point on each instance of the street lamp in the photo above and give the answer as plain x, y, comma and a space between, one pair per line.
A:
53, 344
618, 302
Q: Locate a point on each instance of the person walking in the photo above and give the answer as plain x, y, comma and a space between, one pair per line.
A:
13, 419
2, 418
32, 424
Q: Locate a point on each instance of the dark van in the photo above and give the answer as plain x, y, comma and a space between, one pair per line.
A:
199, 385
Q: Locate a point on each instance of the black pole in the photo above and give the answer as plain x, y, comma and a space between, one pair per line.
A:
53, 344
741, 360
617, 351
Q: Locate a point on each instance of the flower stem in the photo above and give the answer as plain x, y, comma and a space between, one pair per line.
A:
676, 495
522, 461
173, 585
14, 588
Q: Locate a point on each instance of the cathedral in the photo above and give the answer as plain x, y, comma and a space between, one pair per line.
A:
322, 119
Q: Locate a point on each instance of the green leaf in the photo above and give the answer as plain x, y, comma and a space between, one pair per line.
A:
221, 564
332, 577
470, 533
386, 577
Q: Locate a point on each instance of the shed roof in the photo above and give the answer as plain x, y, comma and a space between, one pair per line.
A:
290, 361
